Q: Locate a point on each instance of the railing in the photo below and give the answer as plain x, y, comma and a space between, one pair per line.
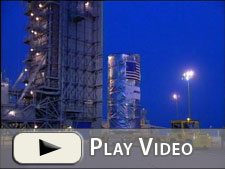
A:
31, 80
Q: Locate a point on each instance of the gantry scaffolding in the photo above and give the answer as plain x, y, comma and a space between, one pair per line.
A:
63, 70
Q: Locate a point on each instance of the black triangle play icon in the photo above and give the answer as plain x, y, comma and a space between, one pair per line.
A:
46, 147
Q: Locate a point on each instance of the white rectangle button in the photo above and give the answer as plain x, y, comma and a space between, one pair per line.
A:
47, 148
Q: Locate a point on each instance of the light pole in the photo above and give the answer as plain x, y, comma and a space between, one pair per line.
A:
187, 76
176, 97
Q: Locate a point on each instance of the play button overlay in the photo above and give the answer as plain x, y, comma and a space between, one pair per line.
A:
47, 148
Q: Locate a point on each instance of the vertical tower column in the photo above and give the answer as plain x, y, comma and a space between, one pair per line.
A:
124, 90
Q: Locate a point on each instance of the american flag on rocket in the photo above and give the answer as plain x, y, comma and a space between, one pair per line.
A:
133, 71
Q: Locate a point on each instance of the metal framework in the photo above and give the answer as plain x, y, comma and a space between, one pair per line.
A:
63, 72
